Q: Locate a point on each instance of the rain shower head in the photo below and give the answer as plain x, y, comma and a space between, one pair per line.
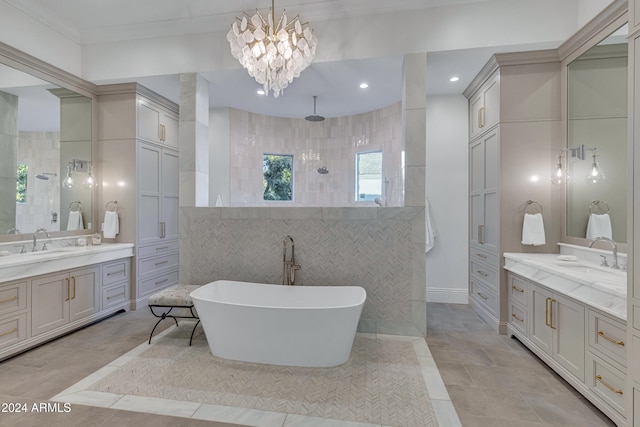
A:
314, 117
45, 175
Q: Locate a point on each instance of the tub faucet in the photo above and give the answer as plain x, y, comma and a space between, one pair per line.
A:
289, 267
614, 246
35, 239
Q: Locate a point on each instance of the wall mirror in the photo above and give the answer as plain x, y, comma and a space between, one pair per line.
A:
46, 141
595, 156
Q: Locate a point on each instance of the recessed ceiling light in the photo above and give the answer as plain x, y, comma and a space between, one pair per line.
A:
454, 79
260, 92
364, 85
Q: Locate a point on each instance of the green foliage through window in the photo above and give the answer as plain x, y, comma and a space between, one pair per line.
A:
368, 175
277, 172
21, 185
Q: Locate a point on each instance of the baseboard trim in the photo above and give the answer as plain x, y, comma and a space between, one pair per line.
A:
448, 295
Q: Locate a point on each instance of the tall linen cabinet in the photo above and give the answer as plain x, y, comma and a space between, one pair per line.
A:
139, 148
514, 136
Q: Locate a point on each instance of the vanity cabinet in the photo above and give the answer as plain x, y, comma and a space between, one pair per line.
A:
13, 312
138, 140
581, 343
557, 327
58, 299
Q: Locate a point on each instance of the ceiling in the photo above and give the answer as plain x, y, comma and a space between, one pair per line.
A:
335, 83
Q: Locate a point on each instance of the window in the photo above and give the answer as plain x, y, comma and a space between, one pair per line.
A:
21, 185
369, 175
277, 173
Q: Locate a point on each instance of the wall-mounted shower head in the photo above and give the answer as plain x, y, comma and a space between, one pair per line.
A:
45, 175
323, 170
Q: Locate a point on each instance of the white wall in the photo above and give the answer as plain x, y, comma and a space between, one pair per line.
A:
447, 191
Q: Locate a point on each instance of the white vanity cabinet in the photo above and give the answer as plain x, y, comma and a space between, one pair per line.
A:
13, 312
581, 343
60, 298
557, 327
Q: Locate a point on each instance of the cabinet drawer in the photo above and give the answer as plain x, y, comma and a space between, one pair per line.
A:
488, 275
518, 318
608, 336
13, 329
13, 297
115, 272
154, 284
476, 254
606, 382
115, 295
484, 296
518, 290
157, 264
159, 249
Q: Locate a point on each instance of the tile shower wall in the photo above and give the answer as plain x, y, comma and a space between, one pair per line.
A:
41, 152
381, 250
332, 143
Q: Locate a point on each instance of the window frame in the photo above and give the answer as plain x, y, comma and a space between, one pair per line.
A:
357, 175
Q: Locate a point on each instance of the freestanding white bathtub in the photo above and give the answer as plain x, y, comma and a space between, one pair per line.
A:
280, 325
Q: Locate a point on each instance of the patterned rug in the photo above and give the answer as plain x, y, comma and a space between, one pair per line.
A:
381, 383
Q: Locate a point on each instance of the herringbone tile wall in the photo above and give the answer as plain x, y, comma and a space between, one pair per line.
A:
381, 254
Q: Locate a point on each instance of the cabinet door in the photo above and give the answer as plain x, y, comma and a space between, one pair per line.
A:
149, 121
476, 107
491, 112
170, 123
569, 349
484, 215
170, 194
84, 299
149, 193
539, 330
50, 297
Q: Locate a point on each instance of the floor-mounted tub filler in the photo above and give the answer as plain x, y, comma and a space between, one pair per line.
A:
311, 326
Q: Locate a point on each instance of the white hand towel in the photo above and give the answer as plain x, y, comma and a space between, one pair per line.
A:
219, 201
599, 226
430, 240
75, 221
533, 230
111, 225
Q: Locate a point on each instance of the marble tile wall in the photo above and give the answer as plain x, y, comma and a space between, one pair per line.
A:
40, 151
381, 250
8, 148
332, 143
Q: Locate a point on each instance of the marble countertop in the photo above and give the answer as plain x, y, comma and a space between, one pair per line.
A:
600, 287
18, 266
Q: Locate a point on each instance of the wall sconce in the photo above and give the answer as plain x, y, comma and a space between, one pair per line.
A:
68, 181
595, 174
559, 175
76, 165
89, 181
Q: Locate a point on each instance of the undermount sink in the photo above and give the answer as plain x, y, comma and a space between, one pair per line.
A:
588, 269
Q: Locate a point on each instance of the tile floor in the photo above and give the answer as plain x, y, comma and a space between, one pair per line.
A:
477, 366
495, 381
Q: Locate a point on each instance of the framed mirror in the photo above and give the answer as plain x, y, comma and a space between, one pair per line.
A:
596, 131
46, 135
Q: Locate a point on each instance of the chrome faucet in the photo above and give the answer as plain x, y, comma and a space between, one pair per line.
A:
615, 265
35, 239
289, 267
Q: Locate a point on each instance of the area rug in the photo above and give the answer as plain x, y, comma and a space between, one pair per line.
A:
381, 384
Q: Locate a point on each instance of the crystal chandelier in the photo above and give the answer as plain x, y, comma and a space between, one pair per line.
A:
272, 53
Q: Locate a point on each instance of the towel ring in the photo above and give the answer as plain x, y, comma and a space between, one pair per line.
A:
599, 205
75, 206
530, 204
113, 204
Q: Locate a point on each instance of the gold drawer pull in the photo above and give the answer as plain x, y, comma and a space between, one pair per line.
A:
9, 332
13, 298
482, 273
515, 316
609, 386
515, 288
482, 295
162, 281
162, 262
116, 272
608, 338
482, 256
